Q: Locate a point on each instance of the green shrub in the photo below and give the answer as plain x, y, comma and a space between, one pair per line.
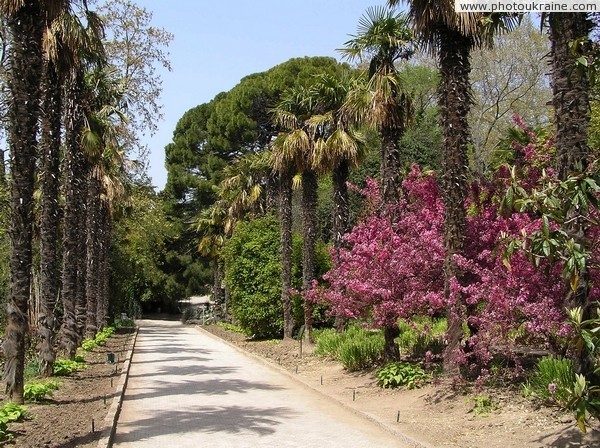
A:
10, 413
356, 348
89, 344
552, 380
400, 374
253, 276
39, 390
65, 367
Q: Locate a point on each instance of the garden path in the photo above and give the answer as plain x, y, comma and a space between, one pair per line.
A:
188, 389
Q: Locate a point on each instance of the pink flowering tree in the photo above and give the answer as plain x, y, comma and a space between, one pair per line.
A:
391, 264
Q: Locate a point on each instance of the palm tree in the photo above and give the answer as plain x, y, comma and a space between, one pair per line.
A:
26, 24
293, 152
214, 225
382, 39
57, 61
451, 37
87, 47
338, 146
569, 38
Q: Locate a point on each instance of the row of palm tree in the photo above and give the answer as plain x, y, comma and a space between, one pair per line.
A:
318, 128
62, 93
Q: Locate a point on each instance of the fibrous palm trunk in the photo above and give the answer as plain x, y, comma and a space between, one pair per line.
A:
49, 222
25, 65
455, 100
340, 216
309, 246
92, 273
104, 268
390, 166
570, 98
71, 189
285, 221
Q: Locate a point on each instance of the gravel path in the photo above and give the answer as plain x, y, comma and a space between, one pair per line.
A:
187, 389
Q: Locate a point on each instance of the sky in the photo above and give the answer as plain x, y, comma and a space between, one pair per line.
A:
217, 43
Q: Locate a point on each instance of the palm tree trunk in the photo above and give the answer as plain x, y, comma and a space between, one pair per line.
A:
340, 218
390, 165
71, 166
309, 246
455, 100
104, 271
285, 220
92, 273
49, 223
570, 98
25, 65
570, 92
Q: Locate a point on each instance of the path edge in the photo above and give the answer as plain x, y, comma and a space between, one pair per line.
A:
110, 421
403, 437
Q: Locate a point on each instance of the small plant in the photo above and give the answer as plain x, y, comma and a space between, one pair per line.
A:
88, 345
552, 381
10, 413
482, 405
231, 327
65, 367
103, 335
401, 374
38, 391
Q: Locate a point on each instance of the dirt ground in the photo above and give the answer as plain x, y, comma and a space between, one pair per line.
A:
65, 419
436, 415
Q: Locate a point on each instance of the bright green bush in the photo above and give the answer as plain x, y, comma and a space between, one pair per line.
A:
552, 380
39, 390
400, 374
10, 413
65, 367
253, 276
89, 344
355, 348
231, 327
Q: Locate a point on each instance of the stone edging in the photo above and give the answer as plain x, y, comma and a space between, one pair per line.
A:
403, 437
110, 422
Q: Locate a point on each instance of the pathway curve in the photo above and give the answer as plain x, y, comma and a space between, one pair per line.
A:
189, 389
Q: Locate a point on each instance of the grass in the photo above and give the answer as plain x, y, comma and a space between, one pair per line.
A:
356, 348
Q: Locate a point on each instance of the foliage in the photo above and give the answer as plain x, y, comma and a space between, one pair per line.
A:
482, 405
400, 374
65, 367
356, 348
136, 49
253, 270
10, 413
231, 327
39, 390
502, 88
124, 323
140, 257
421, 335
32, 369
552, 381
391, 265
98, 340
89, 344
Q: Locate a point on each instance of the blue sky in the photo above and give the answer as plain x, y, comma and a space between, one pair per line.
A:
219, 42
